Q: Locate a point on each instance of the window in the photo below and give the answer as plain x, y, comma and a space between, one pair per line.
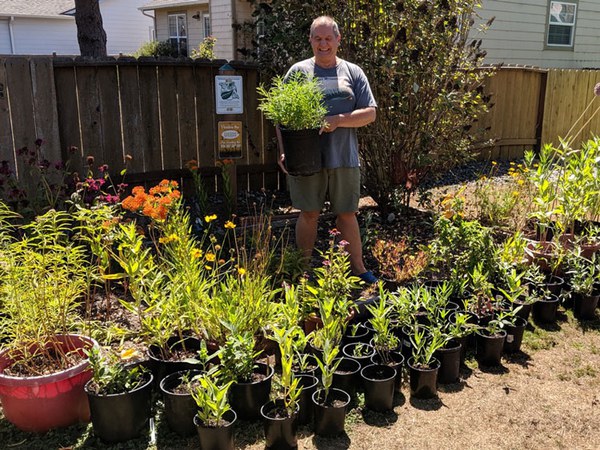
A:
561, 24
178, 33
206, 25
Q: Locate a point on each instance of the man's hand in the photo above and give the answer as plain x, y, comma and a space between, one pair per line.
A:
331, 123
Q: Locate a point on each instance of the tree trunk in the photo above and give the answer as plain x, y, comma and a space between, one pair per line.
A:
90, 32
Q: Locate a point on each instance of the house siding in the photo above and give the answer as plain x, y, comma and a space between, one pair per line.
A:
221, 18
125, 25
4, 37
195, 31
45, 36
518, 34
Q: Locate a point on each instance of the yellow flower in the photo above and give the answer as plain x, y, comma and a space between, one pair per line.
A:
521, 182
515, 193
241, 271
229, 224
210, 218
208, 267
210, 257
130, 353
196, 253
170, 238
217, 247
494, 163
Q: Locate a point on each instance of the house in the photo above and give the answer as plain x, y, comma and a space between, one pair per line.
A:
543, 33
43, 27
185, 23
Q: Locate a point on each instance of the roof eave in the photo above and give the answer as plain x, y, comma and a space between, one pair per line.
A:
173, 5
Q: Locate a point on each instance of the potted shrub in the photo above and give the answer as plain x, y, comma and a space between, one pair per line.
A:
215, 418
584, 275
43, 368
296, 106
119, 396
490, 339
423, 367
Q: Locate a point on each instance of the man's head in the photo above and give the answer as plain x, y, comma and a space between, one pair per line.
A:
325, 39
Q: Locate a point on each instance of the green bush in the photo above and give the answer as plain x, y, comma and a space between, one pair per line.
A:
206, 49
155, 48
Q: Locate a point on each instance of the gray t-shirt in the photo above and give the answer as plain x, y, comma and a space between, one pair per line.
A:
346, 89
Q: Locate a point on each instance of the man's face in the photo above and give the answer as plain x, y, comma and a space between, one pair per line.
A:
324, 43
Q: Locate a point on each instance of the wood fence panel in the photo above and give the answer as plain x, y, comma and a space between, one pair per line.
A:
592, 117
6, 142
68, 116
186, 114
44, 100
167, 92
205, 114
90, 113
110, 117
18, 76
148, 94
132, 119
254, 129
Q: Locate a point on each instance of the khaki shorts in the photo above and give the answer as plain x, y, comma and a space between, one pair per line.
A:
342, 185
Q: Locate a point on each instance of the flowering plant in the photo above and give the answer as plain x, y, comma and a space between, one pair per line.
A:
110, 373
396, 262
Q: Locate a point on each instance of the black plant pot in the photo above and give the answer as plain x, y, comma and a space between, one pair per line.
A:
309, 386
514, 335
489, 348
161, 367
423, 380
555, 284
362, 334
525, 310
330, 412
449, 358
367, 352
346, 377
246, 399
544, 310
463, 341
312, 369
280, 429
180, 409
379, 381
407, 332
302, 149
217, 438
395, 360
584, 306
120, 417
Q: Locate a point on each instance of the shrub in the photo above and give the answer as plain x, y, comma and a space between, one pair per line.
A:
156, 48
206, 48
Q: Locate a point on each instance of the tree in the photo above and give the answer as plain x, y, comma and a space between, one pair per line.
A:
90, 32
425, 75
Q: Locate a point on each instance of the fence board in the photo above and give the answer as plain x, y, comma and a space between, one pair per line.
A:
186, 114
18, 76
167, 93
205, 114
110, 117
148, 94
46, 116
6, 142
253, 128
89, 113
132, 120
68, 116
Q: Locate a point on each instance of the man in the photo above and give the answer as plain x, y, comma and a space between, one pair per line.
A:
350, 105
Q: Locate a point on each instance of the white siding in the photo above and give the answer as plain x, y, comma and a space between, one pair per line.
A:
4, 38
125, 25
221, 18
195, 33
45, 36
518, 34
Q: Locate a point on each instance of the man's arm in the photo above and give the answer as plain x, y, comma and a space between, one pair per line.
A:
355, 119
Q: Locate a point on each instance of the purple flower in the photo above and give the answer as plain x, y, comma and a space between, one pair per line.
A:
112, 199
103, 168
39, 142
22, 151
326, 262
343, 243
597, 89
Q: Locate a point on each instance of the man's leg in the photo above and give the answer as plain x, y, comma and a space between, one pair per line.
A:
347, 224
306, 232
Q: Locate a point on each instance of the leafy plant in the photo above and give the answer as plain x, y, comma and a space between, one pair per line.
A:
289, 383
384, 339
206, 48
211, 400
295, 103
583, 272
424, 345
155, 48
328, 364
111, 375
238, 358
396, 260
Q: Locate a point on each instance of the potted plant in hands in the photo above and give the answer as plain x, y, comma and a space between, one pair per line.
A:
43, 368
280, 415
119, 396
330, 403
215, 418
423, 367
296, 106
584, 276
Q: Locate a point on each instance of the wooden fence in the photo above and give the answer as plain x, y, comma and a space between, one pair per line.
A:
162, 114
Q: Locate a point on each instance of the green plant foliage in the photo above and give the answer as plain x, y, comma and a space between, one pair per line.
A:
423, 72
295, 103
156, 48
111, 376
206, 48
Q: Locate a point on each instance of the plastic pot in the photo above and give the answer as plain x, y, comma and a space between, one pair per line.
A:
309, 386
180, 409
423, 380
367, 352
379, 381
544, 310
395, 360
330, 412
514, 335
584, 306
490, 347
280, 429
346, 377
41, 403
217, 438
449, 358
247, 398
124, 416
161, 367
362, 334
302, 149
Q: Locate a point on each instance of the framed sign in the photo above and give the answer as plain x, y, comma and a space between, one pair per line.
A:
230, 140
229, 93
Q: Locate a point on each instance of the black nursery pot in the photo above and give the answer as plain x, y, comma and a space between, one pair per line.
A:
362, 334
331, 416
396, 361
449, 358
120, 417
302, 150
514, 335
423, 380
161, 368
180, 409
346, 377
369, 351
217, 438
544, 310
280, 430
584, 306
309, 386
246, 399
379, 381
489, 348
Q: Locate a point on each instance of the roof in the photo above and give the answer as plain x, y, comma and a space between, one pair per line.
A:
159, 4
40, 8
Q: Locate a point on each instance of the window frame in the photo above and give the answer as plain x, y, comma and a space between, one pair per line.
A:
178, 37
572, 26
206, 25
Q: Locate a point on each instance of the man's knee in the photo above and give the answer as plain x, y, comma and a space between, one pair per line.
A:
310, 216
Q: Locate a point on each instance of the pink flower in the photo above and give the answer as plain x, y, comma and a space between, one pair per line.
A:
334, 232
597, 89
343, 243
326, 262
